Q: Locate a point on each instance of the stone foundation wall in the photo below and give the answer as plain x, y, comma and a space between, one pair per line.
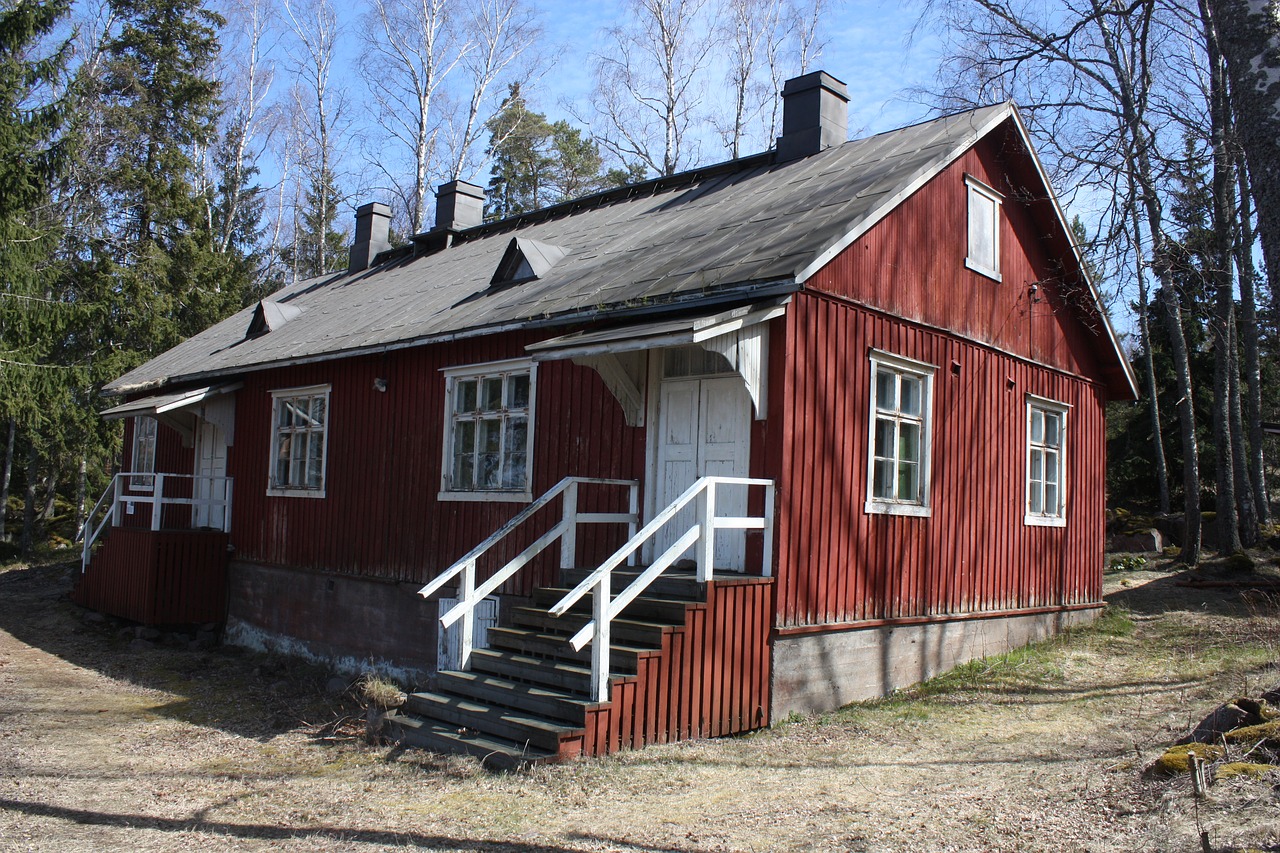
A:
351, 624
822, 671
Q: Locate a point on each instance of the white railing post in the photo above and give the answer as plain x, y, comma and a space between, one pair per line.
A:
600, 643
117, 509
766, 548
569, 541
157, 501
468, 593
705, 550
633, 508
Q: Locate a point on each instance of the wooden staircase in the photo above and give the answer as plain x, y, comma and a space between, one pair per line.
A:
526, 698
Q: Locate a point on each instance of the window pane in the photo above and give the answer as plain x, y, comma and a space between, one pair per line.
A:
886, 390
1050, 467
490, 469
491, 394
1037, 502
1037, 464
318, 411
464, 437
282, 460
513, 476
1050, 499
518, 391
885, 434
908, 481
464, 471
909, 442
315, 461
1051, 423
882, 479
982, 213
1037, 426
490, 435
517, 434
910, 402
465, 396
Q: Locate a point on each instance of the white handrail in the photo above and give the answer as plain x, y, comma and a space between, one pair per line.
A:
700, 536
157, 499
470, 594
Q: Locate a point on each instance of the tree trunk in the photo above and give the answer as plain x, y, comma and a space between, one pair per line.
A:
51, 492
1247, 514
1149, 364
1251, 44
5, 481
1223, 317
29, 502
1248, 330
82, 477
1171, 313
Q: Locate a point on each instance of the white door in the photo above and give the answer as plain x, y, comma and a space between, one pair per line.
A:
704, 429
211, 476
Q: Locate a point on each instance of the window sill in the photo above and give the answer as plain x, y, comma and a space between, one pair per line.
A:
295, 493
981, 270
873, 507
1044, 521
490, 497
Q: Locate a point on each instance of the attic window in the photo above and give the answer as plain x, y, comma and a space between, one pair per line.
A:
525, 260
269, 316
984, 229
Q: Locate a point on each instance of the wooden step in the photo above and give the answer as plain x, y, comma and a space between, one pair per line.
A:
554, 705
491, 720
540, 672
681, 585
626, 631
495, 753
535, 644
644, 609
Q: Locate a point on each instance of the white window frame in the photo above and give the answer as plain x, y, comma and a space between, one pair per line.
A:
924, 373
144, 483
976, 190
278, 398
491, 369
1047, 406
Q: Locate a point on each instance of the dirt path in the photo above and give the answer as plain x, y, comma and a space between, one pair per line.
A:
105, 744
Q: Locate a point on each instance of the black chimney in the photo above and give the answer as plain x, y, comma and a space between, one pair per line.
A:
815, 115
373, 224
459, 205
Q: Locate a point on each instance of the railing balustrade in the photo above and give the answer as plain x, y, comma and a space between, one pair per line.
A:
700, 536
121, 492
470, 594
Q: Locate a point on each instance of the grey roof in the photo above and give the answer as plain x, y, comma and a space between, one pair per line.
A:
733, 229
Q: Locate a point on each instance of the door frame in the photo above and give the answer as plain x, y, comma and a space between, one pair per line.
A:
653, 389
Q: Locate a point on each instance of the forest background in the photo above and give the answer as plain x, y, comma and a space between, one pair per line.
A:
164, 163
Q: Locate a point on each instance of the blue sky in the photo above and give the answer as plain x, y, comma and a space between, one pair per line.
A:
867, 47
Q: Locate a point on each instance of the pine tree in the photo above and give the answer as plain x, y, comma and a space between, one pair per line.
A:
321, 248
518, 139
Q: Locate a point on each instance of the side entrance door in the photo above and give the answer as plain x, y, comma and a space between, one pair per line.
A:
704, 429
211, 473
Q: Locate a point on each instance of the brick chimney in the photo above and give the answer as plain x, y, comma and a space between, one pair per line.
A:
373, 224
459, 205
815, 115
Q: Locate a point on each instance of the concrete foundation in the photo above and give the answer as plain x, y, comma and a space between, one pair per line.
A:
815, 672
350, 624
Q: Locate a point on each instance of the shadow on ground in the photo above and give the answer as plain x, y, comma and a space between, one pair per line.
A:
251, 695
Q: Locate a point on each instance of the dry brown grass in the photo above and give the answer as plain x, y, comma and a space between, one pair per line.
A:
107, 747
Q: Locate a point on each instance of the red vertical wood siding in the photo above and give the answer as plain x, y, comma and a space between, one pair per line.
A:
711, 677
380, 515
157, 578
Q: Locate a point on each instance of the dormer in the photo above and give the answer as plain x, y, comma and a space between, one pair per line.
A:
268, 317
525, 260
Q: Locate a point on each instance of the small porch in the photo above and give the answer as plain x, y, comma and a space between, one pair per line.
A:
155, 549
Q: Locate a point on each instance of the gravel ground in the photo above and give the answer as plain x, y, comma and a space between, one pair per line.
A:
107, 743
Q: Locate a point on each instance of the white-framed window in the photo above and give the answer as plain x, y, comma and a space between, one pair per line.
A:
900, 437
1046, 462
299, 441
488, 431
143, 459
984, 228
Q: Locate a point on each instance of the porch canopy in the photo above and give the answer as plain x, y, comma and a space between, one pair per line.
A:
179, 409
618, 354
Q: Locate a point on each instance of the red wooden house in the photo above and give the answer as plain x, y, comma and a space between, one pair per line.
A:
668, 461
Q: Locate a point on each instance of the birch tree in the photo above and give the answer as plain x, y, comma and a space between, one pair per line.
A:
648, 84
753, 33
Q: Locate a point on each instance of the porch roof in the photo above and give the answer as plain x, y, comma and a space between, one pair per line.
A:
163, 403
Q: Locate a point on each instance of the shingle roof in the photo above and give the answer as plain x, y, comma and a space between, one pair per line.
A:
732, 229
